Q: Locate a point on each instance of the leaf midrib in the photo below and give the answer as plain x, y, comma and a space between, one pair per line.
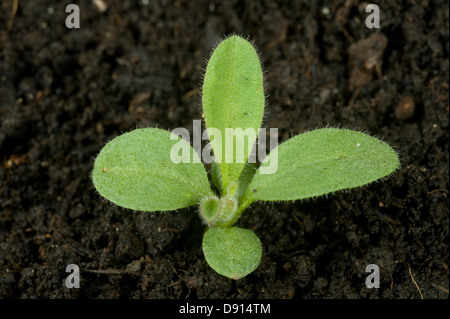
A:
230, 112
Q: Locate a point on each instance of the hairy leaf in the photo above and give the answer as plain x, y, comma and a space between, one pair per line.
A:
216, 176
244, 180
135, 171
323, 161
232, 251
233, 105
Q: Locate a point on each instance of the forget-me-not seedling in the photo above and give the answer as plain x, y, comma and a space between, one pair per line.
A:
135, 169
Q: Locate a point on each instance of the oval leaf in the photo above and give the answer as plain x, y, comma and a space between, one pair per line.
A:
233, 104
232, 252
135, 171
322, 161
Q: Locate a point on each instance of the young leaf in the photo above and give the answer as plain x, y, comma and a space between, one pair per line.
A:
246, 177
135, 171
322, 161
216, 211
216, 176
231, 251
233, 104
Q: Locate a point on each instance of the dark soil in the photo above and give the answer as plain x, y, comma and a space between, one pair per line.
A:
65, 92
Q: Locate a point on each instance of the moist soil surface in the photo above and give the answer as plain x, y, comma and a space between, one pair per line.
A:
65, 92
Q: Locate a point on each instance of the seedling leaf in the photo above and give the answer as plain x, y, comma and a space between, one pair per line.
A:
323, 161
246, 177
232, 251
216, 176
233, 102
135, 171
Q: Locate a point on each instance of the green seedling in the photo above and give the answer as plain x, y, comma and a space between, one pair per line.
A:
135, 170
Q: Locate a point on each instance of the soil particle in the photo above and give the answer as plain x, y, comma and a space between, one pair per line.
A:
405, 108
